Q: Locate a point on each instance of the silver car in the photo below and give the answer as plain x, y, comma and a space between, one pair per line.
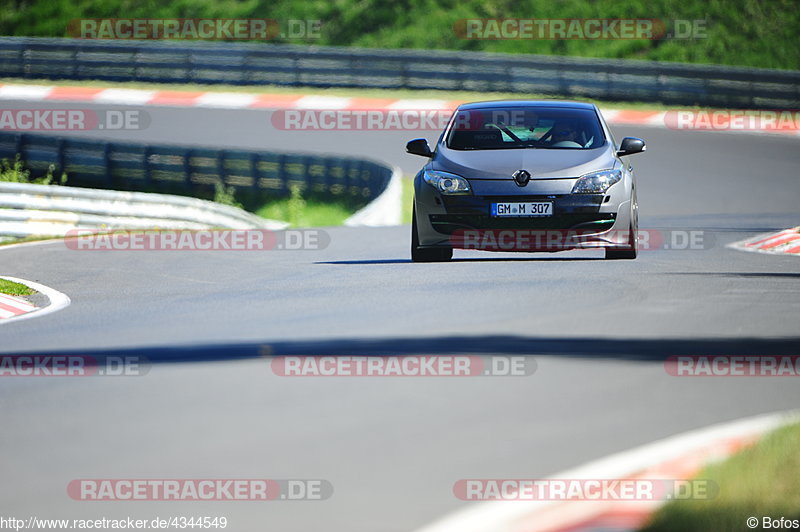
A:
525, 176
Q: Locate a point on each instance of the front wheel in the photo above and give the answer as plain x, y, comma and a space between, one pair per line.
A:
633, 236
419, 254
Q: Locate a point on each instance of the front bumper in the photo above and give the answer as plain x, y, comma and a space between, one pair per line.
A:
578, 221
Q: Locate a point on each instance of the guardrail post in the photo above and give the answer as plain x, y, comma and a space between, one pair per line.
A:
282, 174
22, 55
136, 54
306, 170
221, 166
107, 163
74, 64
148, 178
60, 155
187, 167
327, 177
18, 139
254, 170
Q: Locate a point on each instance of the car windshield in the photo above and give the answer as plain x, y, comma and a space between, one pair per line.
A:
500, 128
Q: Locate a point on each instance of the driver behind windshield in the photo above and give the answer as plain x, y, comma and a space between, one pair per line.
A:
565, 134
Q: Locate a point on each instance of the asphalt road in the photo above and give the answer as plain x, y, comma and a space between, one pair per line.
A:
211, 408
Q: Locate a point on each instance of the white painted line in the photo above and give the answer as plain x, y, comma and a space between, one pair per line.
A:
503, 516
322, 102
24, 92
50, 240
58, 300
124, 96
225, 100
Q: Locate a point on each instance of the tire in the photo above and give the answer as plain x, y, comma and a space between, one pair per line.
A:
633, 236
419, 254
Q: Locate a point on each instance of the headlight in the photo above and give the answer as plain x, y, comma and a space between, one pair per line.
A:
446, 183
596, 182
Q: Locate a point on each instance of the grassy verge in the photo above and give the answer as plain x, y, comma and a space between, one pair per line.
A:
307, 212
763, 480
408, 198
23, 240
17, 173
14, 289
342, 92
747, 32
314, 214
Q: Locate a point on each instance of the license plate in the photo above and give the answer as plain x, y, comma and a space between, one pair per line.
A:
528, 208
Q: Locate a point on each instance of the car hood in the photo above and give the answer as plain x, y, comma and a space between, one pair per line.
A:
541, 163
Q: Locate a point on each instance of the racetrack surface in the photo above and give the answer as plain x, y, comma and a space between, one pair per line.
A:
393, 447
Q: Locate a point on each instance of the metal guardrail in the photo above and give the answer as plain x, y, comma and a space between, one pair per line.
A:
272, 64
188, 171
27, 209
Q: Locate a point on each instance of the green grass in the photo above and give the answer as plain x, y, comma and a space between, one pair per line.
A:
315, 213
311, 211
408, 198
759, 33
301, 212
17, 173
763, 480
14, 289
25, 239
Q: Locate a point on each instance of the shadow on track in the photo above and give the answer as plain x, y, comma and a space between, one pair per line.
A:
743, 275
644, 350
470, 259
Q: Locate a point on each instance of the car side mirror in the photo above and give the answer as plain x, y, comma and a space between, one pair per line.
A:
631, 145
419, 147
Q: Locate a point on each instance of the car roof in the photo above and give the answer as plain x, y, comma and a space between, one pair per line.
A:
526, 103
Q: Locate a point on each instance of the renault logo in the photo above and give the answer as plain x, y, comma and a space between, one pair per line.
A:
521, 177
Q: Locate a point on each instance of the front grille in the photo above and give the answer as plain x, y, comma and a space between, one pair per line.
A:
562, 204
593, 222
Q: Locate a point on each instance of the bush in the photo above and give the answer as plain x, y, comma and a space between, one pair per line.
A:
17, 173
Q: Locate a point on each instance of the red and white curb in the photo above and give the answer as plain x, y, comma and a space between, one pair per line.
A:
11, 306
677, 457
219, 100
786, 242
716, 120
13, 309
